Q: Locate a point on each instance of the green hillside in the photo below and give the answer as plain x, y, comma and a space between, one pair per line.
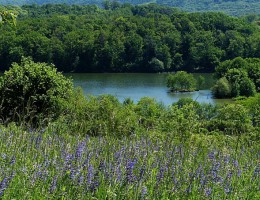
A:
233, 7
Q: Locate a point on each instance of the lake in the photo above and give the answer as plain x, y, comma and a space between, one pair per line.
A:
138, 85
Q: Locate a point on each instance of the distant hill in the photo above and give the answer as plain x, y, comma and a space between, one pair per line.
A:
232, 7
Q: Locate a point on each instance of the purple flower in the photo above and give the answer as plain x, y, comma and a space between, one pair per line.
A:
53, 185
227, 190
160, 175
142, 171
81, 180
235, 162
38, 141
129, 170
118, 174
229, 175
144, 192
5, 182
198, 171
226, 159
239, 172
12, 160
208, 191
90, 175
211, 155
73, 173
256, 172
68, 159
80, 150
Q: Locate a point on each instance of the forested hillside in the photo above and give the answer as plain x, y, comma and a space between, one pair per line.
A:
146, 38
233, 7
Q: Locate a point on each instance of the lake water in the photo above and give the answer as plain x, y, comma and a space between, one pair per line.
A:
136, 86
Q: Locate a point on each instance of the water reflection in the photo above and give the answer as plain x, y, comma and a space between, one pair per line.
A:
136, 86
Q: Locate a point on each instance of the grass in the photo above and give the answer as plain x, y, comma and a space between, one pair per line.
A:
48, 164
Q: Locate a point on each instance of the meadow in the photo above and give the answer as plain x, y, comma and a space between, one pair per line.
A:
48, 164
122, 151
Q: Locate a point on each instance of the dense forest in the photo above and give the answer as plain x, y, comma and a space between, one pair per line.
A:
125, 38
233, 7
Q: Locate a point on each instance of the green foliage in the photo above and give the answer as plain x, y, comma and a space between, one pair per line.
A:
181, 81
233, 119
253, 105
233, 7
156, 65
200, 82
222, 88
149, 112
247, 87
96, 116
144, 38
243, 76
33, 90
7, 17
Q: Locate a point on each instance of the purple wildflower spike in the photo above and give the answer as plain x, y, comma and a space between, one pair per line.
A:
129, 170
53, 185
143, 192
208, 191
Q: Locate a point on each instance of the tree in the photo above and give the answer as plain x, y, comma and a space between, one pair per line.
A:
200, 82
247, 87
7, 16
156, 65
181, 81
222, 88
241, 85
33, 91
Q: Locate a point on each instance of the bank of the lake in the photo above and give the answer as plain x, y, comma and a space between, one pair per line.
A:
138, 85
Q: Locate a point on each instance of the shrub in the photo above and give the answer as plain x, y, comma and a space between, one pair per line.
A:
232, 119
33, 90
222, 88
156, 65
181, 81
99, 116
247, 87
149, 112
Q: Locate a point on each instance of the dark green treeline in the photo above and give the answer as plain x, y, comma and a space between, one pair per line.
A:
125, 38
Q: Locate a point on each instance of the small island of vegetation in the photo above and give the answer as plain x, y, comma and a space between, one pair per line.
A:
182, 81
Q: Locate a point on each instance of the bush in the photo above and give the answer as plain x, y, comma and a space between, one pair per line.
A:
181, 81
156, 65
232, 119
33, 90
222, 88
247, 87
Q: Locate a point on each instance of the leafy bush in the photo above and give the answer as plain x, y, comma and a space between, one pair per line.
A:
253, 105
33, 90
156, 65
243, 76
232, 119
222, 88
101, 115
181, 81
149, 112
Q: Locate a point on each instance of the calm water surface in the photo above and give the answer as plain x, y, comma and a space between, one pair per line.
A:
136, 86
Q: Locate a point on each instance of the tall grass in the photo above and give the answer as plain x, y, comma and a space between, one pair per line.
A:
48, 164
